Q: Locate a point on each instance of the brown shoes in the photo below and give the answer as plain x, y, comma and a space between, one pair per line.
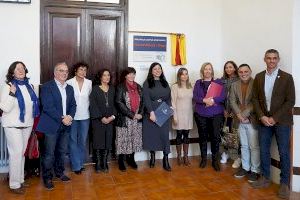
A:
284, 191
19, 190
262, 182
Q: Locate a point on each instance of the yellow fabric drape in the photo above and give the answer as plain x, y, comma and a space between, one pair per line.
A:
178, 39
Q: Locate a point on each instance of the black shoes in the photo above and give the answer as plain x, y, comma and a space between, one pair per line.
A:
166, 164
130, 161
78, 172
203, 162
63, 178
215, 164
48, 184
152, 159
121, 163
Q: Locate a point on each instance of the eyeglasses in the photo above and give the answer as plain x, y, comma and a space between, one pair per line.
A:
63, 71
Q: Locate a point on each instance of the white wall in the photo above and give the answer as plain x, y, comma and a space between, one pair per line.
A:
249, 28
20, 37
199, 20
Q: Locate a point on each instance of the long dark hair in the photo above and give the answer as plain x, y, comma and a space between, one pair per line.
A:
97, 79
162, 77
125, 72
225, 75
11, 69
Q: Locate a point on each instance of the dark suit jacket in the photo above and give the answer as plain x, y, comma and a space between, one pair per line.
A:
282, 101
52, 111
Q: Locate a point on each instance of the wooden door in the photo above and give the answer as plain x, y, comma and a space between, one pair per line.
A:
104, 44
80, 31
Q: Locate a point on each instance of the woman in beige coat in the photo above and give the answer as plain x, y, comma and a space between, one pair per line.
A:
182, 95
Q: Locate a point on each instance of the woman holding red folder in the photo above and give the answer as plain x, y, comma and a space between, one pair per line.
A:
209, 113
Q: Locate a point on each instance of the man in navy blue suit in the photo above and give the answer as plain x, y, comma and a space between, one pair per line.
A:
58, 110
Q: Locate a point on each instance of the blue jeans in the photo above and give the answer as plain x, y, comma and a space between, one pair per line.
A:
249, 147
79, 131
55, 146
282, 134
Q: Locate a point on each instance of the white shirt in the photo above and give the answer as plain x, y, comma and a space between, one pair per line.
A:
81, 98
63, 93
269, 84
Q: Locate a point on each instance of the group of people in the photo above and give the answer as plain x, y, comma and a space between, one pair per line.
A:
258, 108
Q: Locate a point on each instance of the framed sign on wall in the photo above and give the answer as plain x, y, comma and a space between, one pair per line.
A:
15, 1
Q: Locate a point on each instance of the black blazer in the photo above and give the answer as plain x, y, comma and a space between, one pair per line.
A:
123, 110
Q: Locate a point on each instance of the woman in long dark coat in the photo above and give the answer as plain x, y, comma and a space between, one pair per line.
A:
156, 91
102, 113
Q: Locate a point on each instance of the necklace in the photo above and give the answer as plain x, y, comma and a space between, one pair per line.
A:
106, 98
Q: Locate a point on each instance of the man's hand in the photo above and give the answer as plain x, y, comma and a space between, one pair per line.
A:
67, 120
265, 121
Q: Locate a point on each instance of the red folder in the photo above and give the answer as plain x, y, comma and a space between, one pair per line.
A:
214, 90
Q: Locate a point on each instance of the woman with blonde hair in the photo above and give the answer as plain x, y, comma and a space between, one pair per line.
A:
182, 97
209, 113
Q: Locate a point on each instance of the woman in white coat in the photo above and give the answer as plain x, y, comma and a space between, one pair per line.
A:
19, 104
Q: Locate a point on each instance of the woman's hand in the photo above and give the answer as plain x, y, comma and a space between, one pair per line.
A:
175, 122
209, 101
105, 120
138, 116
152, 116
12, 89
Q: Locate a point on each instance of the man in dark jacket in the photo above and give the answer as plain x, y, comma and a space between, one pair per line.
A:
58, 110
273, 101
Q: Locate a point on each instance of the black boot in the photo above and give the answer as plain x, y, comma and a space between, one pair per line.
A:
179, 158
203, 162
215, 163
166, 164
203, 148
105, 155
130, 161
152, 159
121, 163
98, 158
186, 155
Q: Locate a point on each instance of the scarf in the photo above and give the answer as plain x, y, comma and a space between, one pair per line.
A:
20, 98
134, 97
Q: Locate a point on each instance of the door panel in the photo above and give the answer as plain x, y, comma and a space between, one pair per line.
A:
103, 39
62, 41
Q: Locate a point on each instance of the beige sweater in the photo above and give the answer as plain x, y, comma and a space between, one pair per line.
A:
11, 111
183, 107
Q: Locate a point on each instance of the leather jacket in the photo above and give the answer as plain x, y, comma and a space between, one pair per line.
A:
123, 110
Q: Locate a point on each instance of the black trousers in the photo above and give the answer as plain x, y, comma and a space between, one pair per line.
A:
209, 129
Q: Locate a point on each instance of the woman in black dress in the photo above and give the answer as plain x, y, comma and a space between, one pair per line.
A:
156, 91
102, 113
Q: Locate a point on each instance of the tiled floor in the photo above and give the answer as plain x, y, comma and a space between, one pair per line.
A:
145, 183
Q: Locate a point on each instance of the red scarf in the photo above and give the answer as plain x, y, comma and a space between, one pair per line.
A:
134, 96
